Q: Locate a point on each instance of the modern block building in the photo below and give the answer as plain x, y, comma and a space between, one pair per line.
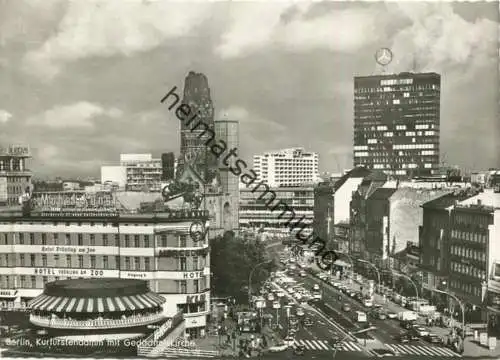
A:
143, 172
397, 123
77, 235
255, 214
14, 176
287, 167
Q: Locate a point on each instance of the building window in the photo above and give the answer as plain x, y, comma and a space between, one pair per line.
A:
33, 282
182, 263
44, 239
196, 286
146, 241
137, 263
56, 259
68, 260
32, 239
136, 241
23, 281
21, 238
183, 241
105, 240
195, 263
127, 239
80, 261
105, 262
92, 239
147, 264
32, 260
68, 239
163, 240
80, 239
21, 260
44, 260
127, 263
92, 262
117, 262
183, 286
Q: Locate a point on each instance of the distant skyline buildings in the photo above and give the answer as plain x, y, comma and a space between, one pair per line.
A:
397, 123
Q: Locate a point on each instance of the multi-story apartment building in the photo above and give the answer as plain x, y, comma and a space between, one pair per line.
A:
254, 213
287, 167
397, 122
143, 172
80, 235
474, 249
14, 176
434, 240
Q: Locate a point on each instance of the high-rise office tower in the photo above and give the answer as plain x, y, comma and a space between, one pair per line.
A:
193, 137
396, 123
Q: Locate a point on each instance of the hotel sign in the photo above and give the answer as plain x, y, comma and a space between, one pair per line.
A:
68, 249
195, 299
68, 201
70, 272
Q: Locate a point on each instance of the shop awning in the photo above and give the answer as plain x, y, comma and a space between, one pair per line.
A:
96, 305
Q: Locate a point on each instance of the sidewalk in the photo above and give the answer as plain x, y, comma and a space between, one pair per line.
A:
472, 348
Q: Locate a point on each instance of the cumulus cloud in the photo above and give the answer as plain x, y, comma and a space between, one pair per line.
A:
256, 25
245, 118
78, 115
438, 39
112, 27
5, 116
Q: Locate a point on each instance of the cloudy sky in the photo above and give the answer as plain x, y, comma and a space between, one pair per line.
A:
81, 81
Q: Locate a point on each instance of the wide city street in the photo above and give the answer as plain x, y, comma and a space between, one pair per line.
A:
320, 316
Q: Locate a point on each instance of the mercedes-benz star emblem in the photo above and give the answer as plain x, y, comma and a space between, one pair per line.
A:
383, 56
197, 231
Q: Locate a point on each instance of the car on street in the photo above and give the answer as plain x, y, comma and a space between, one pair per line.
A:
367, 302
407, 325
308, 322
361, 317
384, 352
278, 347
433, 339
316, 287
300, 312
392, 315
335, 284
421, 331
346, 307
404, 338
303, 273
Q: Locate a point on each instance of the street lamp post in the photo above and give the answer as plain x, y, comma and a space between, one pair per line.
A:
351, 261
350, 334
459, 303
250, 279
376, 269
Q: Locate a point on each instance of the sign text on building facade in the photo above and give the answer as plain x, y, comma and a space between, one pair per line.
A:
73, 201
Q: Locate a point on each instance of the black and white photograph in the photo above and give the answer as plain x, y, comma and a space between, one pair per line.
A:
267, 179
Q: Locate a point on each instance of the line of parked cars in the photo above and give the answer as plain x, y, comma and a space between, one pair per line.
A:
415, 332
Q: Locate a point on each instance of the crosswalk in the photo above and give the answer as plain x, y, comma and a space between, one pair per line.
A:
323, 345
422, 350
